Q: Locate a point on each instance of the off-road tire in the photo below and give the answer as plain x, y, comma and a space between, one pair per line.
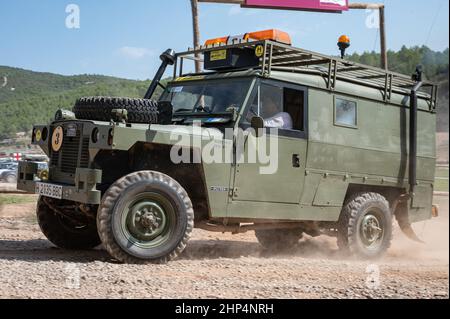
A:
125, 189
100, 108
62, 233
350, 236
278, 239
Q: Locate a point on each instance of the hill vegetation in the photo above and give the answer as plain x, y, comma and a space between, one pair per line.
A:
28, 97
435, 66
32, 97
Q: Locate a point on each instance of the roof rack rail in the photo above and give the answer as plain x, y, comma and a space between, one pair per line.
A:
282, 57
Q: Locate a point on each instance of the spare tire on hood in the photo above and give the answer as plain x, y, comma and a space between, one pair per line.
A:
100, 109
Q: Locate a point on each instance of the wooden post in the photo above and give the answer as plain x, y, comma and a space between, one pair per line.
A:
384, 58
380, 7
196, 29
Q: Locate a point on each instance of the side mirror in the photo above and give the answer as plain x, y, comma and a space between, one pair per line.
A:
257, 123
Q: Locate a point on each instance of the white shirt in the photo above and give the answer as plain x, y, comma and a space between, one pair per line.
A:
280, 120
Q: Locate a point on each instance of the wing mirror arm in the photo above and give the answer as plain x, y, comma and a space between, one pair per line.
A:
257, 123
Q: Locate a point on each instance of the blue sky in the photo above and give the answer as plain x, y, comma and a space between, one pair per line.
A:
125, 37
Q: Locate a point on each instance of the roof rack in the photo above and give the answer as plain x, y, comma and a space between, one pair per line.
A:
281, 57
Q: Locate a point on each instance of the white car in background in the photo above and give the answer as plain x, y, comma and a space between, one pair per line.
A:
8, 172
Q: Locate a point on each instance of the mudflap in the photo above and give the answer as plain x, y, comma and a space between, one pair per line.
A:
409, 232
400, 210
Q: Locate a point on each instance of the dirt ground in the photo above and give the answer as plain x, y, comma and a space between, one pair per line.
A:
223, 266
442, 147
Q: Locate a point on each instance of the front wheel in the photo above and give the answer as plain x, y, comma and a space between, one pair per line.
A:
365, 226
145, 217
62, 230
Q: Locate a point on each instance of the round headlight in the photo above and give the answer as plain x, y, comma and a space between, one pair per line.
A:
44, 134
43, 175
95, 135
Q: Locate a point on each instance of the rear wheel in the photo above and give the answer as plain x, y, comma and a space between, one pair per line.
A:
365, 226
275, 239
63, 231
145, 217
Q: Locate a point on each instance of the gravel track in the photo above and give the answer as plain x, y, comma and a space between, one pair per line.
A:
222, 266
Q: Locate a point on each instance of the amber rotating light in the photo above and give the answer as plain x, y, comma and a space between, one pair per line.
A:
343, 44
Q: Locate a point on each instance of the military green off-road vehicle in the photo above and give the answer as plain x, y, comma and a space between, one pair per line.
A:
355, 149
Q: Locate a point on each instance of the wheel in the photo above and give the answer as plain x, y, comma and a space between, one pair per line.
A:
11, 178
145, 217
64, 232
365, 226
275, 239
100, 109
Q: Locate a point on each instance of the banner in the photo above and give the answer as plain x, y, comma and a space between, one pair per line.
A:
305, 5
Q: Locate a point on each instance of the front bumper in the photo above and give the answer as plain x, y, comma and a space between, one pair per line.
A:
84, 190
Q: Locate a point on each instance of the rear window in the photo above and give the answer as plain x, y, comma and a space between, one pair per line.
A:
346, 113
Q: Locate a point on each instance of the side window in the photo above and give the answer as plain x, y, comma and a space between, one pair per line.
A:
294, 101
271, 101
279, 107
346, 113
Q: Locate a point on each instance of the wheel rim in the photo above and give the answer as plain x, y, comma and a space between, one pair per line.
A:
147, 220
371, 230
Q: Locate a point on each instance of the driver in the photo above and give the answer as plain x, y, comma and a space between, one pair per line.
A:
281, 120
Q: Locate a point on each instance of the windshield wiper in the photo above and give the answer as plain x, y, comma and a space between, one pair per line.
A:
182, 110
205, 109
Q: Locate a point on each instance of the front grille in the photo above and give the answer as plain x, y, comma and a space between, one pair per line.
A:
69, 157
73, 153
54, 158
84, 154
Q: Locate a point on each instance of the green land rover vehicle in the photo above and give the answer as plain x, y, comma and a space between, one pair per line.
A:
355, 150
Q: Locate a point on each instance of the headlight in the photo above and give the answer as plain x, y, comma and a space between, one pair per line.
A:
43, 175
44, 134
95, 135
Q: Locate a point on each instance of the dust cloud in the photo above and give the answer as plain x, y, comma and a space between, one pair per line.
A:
434, 232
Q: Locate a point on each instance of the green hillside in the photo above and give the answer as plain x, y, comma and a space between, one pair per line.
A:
35, 84
28, 97
435, 66
32, 97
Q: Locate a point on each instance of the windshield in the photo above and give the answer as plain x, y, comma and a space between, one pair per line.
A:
210, 97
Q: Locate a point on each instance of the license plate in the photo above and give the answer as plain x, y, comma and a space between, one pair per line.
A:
49, 190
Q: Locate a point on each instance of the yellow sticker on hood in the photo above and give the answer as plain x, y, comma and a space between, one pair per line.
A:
190, 78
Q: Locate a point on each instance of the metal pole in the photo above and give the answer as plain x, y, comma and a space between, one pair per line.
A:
196, 28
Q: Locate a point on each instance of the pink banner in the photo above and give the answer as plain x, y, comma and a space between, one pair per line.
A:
307, 5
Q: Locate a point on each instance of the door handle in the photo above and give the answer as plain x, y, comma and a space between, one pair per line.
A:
296, 160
